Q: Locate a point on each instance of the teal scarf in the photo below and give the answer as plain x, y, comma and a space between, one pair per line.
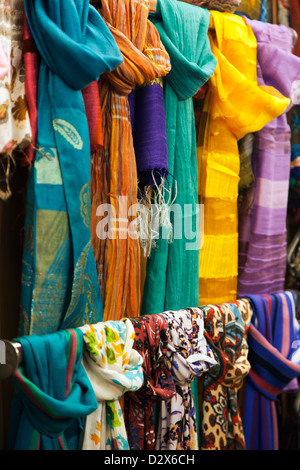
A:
53, 393
172, 278
59, 280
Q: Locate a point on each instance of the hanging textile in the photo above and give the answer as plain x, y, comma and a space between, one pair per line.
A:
114, 368
263, 208
170, 283
4, 63
273, 339
59, 279
190, 357
114, 174
151, 342
232, 88
220, 5
15, 130
226, 327
53, 393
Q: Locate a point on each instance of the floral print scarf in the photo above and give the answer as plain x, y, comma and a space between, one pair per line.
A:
190, 356
151, 341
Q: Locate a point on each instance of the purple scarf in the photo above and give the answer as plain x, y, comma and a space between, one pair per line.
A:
263, 207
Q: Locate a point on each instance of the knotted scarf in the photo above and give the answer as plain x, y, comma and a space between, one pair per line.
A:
59, 279
263, 209
190, 356
151, 341
53, 393
115, 238
15, 130
226, 327
232, 87
113, 368
273, 339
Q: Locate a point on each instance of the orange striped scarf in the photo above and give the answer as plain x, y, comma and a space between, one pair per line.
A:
114, 171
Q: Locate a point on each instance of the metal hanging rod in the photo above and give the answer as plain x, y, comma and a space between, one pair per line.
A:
10, 358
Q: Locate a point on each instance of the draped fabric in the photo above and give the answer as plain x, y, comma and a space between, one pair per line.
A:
53, 393
273, 339
151, 342
234, 106
190, 357
4, 63
114, 170
263, 208
15, 130
226, 328
59, 278
220, 5
114, 368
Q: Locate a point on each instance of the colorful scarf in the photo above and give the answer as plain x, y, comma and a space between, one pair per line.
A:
15, 130
274, 355
226, 327
113, 368
59, 279
232, 87
53, 393
263, 210
4, 63
190, 357
151, 341
115, 238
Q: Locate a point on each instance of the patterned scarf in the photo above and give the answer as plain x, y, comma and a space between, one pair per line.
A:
113, 368
53, 393
15, 130
4, 64
190, 357
114, 173
274, 355
59, 282
232, 87
151, 341
226, 327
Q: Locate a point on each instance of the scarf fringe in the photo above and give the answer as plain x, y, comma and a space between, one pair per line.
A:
154, 204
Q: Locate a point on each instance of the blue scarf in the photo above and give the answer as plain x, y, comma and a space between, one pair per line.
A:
53, 393
59, 280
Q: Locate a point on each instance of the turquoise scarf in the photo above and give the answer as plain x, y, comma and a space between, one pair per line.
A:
59, 279
53, 393
173, 269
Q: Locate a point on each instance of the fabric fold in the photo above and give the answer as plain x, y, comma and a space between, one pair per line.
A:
226, 328
190, 357
59, 279
114, 368
53, 393
151, 342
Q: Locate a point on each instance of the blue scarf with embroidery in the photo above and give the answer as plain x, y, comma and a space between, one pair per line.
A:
59, 280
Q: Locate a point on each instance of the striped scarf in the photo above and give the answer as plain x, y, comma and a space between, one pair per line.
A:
53, 393
273, 342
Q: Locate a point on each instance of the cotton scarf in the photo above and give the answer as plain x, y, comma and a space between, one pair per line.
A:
263, 210
53, 393
113, 368
151, 342
15, 130
232, 87
115, 238
59, 279
190, 357
273, 339
226, 327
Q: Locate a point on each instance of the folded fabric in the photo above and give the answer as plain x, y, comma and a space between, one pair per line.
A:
232, 87
151, 341
274, 355
15, 130
60, 286
114, 368
262, 213
53, 393
190, 357
115, 237
226, 328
